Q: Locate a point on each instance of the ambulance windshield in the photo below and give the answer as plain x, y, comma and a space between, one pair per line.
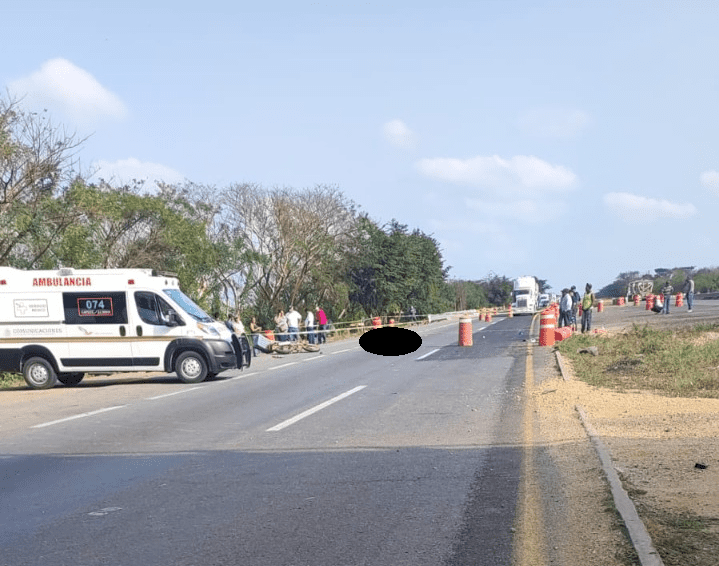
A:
188, 305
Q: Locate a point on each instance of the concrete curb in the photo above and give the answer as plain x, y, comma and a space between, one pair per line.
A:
642, 542
648, 555
560, 362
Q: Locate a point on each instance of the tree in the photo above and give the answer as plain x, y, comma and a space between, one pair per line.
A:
468, 295
118, 227
706, 280
498, 289
297, 240
37, 162
393, 269
543, 287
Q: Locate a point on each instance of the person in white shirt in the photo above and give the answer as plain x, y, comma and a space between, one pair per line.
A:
565, 309
689, 290
293, 323
310, 326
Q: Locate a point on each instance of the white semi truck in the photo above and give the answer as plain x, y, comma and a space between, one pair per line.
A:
525, 295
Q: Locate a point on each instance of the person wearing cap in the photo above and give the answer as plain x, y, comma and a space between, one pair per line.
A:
667, 291
587, 303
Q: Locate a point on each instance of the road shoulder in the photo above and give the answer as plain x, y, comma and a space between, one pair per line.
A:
582, 524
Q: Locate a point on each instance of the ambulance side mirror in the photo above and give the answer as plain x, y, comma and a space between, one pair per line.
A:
174, 319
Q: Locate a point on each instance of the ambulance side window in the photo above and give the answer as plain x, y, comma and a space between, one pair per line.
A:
147, 307
152, 309
94, 308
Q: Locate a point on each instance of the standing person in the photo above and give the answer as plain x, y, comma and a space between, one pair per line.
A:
413, 313
310, 326
667, 291
576, 298
689, 290
255, 330
239, 340
565, 308
587, 303
293, 323
281, 326
322, 325
234, 324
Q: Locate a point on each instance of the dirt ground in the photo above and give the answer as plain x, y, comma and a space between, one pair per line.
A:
666, 450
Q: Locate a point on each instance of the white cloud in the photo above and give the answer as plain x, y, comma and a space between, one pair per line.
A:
60, 85
554, 122
525, 211
521, 173
123, 171
634, 208
710, 180
399, 135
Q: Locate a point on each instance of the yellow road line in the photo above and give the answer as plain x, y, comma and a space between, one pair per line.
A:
529, 544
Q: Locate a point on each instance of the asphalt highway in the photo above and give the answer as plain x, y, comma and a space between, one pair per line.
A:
326, 459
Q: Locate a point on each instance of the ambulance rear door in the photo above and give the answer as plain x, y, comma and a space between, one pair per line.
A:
97, 331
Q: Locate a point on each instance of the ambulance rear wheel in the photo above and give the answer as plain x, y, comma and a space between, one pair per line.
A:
191, 367
39, 373
70, 379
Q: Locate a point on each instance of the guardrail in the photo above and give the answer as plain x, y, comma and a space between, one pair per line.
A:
344, 330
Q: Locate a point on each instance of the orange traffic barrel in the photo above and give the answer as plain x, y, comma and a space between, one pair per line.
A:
650, 302
465, 331
600, 306
680, 300
376, 322
511, 314
621, 301
546, 328
488, 317
637, 299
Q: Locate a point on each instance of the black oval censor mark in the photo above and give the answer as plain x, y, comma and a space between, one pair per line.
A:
390, 341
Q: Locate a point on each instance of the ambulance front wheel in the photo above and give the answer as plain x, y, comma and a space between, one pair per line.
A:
191, 367
39, 373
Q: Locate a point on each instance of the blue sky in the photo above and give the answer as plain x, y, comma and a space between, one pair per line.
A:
570, 140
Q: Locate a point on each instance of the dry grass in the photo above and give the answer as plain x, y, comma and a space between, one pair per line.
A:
681, 363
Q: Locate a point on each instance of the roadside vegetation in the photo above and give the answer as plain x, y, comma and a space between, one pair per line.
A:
8, 380
241, 247
680, 362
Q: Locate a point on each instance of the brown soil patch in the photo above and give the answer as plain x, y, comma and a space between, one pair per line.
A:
666, 451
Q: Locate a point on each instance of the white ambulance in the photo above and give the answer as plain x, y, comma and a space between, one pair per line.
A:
60, 325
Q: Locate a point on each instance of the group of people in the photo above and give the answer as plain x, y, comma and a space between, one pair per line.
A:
569, 307
668, 290
287, 326
570, 301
